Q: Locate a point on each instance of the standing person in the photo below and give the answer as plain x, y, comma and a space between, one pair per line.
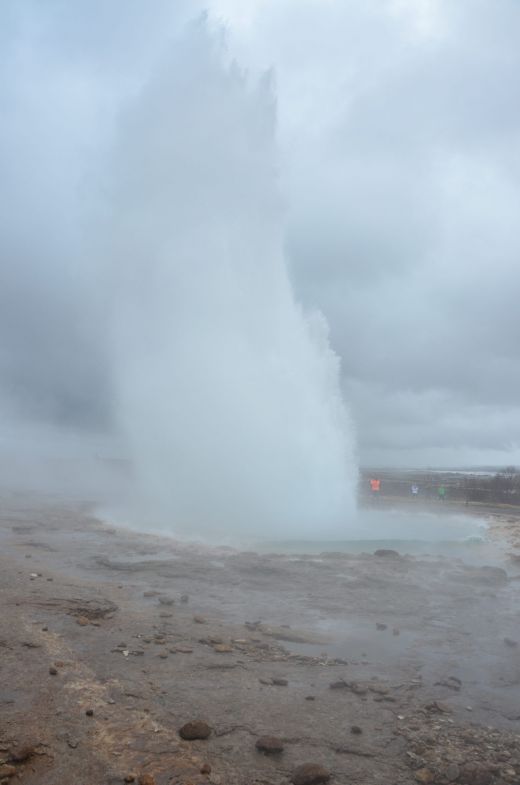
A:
442, 493
414, 490
375, 487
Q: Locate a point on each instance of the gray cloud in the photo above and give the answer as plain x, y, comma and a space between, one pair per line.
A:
400, 167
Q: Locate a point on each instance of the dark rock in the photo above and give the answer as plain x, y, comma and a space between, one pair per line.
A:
310, 774
269, 744
279, 682
356, 730
387, 553
196, 729
381, 627
436, 707
341, 684
89, 712
199, 619
310, 697
130, 778
510, 642
452, 683
53, 671
22, 753
166, 601
205, 768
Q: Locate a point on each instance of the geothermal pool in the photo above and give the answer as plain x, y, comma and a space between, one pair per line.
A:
412, 532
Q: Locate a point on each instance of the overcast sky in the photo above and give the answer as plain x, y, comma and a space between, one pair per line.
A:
399, 165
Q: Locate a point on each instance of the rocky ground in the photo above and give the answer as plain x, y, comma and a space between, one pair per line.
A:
132, 658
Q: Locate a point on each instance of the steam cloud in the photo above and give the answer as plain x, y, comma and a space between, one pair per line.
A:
226, 391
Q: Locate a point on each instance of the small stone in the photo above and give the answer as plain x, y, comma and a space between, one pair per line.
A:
130, 778
310, 774
222, 648
45, 629
146, 779
386, 553
22, 754
205, 768
199, 619
163, 655
184, 599
196, 729
166, 601
82, 621
310, 697
151, 593
53, 671
357, 689
510, 642
7, 771
269, 745
424, 776
381, 627
356, 730
452, 772
476, 774
89, 712
396, 631
279, 682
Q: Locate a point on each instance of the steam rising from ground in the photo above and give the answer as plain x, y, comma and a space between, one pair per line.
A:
227, 392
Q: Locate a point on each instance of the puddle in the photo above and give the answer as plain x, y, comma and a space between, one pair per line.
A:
357, 640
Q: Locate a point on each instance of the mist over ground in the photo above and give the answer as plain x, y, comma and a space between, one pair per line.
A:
389, 172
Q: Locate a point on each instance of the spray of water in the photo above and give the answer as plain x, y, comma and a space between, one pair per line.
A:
228, 393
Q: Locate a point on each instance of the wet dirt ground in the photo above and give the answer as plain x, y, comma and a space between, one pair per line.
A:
380, 668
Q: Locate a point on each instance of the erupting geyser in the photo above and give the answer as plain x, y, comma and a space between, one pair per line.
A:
228, 393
